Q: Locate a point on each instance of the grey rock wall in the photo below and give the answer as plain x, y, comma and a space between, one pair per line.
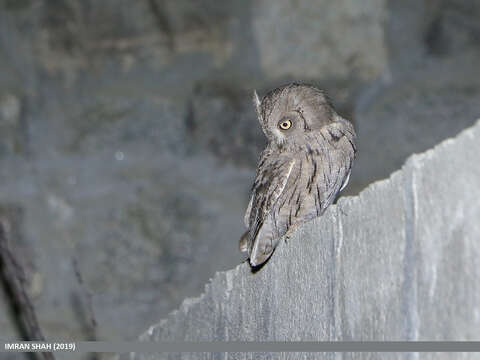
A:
409, 113
293, 40
400, 261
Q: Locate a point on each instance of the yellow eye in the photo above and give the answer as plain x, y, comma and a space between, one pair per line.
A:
285, 124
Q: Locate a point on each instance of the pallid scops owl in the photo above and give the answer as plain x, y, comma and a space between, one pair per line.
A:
306, 163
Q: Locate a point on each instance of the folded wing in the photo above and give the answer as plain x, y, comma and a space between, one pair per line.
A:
272, 177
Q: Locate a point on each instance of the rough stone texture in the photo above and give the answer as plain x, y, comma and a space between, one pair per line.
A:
83, 209
431, 88
412, 112
309, 38
128, 139
400, 261
13, 140
215, 109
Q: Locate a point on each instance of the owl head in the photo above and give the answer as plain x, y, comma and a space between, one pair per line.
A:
287, 113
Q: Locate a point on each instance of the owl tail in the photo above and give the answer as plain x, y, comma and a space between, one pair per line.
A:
263, 245
243, 243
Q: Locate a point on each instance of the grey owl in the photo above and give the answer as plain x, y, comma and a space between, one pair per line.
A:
306, 163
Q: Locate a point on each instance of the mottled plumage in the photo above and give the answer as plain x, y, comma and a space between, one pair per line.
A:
306, 163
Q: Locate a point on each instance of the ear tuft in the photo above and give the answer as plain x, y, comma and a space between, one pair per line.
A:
256, 102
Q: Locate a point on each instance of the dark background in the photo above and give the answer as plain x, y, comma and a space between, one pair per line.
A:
128, 139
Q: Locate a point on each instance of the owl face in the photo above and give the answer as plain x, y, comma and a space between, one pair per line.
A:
289, 112
286, 126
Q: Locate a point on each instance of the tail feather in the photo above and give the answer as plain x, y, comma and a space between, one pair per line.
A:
243, 243
263, 246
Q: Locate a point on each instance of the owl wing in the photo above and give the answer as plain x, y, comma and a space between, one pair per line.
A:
272, 177
337, 156
246, 218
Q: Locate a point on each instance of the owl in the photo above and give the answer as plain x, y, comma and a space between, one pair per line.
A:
306, 163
